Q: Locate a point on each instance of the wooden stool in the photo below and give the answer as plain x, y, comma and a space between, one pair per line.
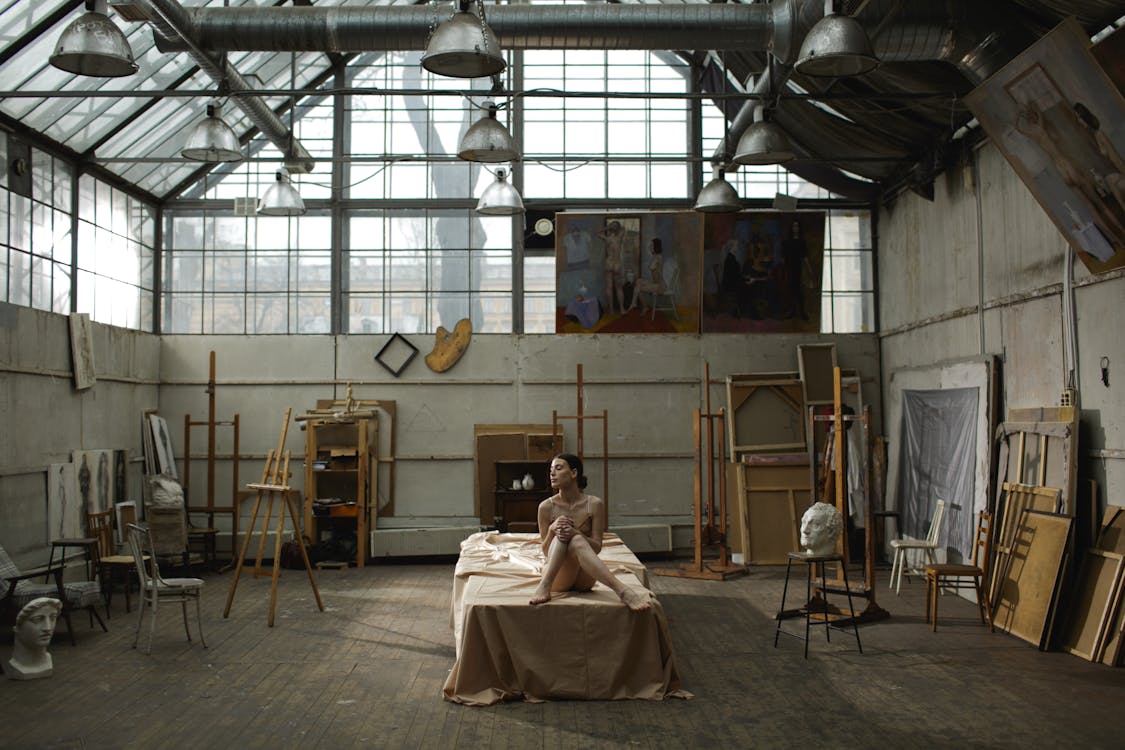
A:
812, 562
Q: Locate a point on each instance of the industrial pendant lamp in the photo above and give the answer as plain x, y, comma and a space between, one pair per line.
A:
763, 143
500, 198
463, 46
281, 198
718, 196
212, 140
92, 45
487, 140
836, 46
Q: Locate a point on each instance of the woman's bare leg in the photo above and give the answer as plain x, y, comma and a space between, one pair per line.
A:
556, 556
593, 565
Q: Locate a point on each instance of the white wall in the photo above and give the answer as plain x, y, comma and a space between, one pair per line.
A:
649, 385
953, 287
44, 418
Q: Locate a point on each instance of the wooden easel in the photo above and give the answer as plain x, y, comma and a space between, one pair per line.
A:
275, 481
708, 535
210, 508
838, 475
580, 417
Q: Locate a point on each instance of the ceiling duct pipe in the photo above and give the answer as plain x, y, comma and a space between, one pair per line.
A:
173, 22
730, 26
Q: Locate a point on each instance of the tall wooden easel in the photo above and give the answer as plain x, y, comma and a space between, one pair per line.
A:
275, 481
835, 465
210, 508
580, 417
708, 534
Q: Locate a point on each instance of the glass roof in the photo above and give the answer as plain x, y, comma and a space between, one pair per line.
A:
132, 126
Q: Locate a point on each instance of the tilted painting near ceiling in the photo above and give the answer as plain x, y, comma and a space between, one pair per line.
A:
1060, 122
628, 272
762, 272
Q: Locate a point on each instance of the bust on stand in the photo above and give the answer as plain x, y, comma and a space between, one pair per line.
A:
820, 529
35, 625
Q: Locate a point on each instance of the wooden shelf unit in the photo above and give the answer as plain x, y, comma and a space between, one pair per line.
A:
520, 507
347, 450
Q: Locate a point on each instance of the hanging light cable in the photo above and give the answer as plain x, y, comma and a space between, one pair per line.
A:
281, 198
718, 195
764, 142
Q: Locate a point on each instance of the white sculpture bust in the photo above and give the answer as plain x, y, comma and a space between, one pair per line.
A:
35, 624
820, 529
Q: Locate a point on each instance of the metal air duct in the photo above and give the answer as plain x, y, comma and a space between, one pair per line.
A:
385, 28
172, 21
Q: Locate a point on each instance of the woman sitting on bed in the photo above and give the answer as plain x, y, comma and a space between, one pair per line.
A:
571, 524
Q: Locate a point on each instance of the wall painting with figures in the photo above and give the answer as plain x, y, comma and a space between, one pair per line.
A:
687, 272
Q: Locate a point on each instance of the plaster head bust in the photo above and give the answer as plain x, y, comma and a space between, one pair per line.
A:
35, 624
820, 528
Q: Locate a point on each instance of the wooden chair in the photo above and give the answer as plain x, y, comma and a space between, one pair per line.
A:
961, 576
109, 565
156, 589
902, 547
666, 300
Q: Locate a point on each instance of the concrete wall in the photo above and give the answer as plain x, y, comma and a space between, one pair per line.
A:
44, 418
953, 287
648, 384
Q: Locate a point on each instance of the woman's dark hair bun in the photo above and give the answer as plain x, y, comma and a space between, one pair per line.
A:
575, 464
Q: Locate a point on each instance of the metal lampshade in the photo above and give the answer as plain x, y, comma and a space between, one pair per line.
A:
212, 140
487, 140
836, 46
463, 46
763, 143
281, 199
500, 198
92, 45
718, 196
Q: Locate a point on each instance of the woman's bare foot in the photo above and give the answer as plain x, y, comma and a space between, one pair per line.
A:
542, 596
635, 600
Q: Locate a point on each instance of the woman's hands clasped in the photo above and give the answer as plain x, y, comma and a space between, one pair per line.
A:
564, 529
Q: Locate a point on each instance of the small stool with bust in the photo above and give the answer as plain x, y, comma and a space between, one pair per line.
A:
820, 528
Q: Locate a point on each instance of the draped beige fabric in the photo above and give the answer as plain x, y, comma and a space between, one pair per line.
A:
577, 646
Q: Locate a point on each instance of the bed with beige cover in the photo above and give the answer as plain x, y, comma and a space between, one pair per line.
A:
578, 646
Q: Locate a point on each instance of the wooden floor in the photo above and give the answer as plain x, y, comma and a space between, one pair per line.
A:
367, 673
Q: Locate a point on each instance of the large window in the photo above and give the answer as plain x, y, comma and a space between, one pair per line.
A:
115, 251
238, 274
411, 270
111, 278
412, 253
620, 147
848, 283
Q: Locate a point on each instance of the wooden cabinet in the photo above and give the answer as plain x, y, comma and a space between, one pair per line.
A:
340, 479
516, 508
